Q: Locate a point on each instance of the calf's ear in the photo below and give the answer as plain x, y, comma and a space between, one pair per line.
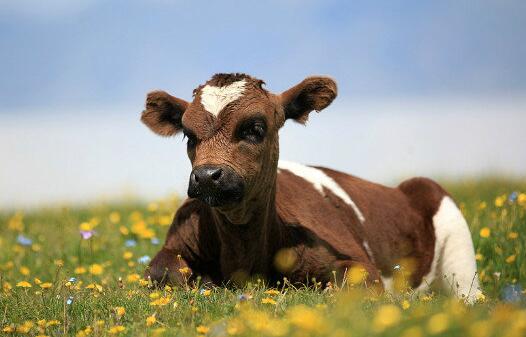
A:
163, 113
313, 93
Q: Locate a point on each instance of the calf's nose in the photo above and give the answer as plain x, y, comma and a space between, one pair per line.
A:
206, 176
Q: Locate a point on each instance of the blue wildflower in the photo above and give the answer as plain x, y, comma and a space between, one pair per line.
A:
513, 196
512, 293
69, 301
397, 267
24, 240
155, 241
144, 259
72, 279
130, 243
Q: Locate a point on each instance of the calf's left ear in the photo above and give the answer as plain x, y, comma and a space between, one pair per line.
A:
313, 93
163, 113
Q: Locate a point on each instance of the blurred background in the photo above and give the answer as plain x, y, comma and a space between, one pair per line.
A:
425, 88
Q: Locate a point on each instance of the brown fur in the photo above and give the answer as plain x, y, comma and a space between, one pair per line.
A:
280, 212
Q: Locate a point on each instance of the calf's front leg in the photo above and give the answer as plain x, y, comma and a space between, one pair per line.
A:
168, 267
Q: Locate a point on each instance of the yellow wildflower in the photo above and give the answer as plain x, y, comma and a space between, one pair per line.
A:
7, 286
133, 278
25, 327
46, 285
405, 304
202, 329
272, 292
59, 263
485, 232
500, 200
160, 301
184, 270
268, 300
124, 230
521, 199
479, 257
120, 311
305, 318
511, 258
206, 292
80, 270
8, 328
25, 271
127, 255
513, 235
36, 247
117, 329
94, 286
96, 269
482, 205
115, 217
85, 226
386, 316
438, 323
150, 320
23, 284
52, 323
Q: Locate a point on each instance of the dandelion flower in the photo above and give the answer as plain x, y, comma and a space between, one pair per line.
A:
268, 300
513, 235
46, 285
25, 271
117, 329
80, 270
160, 301
23, 284
202, 329
438, 323
127, 255
485, 232
96, 269
184, 270
386, 316
405, 304
272, 292
132, 278
150, 320
511, 258
120, 311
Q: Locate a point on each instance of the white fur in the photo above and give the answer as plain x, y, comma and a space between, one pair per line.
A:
320, 180
368, 251
214, 99
388, 284
454, 266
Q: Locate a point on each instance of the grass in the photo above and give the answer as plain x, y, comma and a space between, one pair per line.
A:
42, 250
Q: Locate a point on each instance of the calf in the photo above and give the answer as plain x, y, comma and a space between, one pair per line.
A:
249, 214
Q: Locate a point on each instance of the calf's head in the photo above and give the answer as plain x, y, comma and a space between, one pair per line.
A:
231, 126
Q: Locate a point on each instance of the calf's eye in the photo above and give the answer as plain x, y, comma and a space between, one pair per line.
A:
252, 131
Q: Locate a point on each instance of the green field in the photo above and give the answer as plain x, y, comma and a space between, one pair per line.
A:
56, 283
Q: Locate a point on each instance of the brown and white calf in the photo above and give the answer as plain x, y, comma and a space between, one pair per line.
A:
247, 212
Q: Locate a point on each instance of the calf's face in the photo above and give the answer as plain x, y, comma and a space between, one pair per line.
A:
231, 126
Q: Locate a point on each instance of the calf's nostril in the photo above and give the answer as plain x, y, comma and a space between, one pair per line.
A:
194, 177
216, 174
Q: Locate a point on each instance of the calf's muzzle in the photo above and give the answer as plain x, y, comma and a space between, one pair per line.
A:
216, 185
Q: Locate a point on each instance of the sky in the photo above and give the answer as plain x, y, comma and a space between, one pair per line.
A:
425, 88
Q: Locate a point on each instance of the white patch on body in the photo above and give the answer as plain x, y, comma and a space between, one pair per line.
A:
320, 180
368, 251
388, 284
454, 266
214, 99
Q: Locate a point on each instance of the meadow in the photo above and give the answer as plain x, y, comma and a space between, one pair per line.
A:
77, 271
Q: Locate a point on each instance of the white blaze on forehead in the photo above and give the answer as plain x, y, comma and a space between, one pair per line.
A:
214, 99
320, 180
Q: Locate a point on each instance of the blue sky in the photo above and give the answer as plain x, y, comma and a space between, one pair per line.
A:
63, 54
435, 88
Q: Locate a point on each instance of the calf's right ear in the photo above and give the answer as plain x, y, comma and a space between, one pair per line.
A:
163, 113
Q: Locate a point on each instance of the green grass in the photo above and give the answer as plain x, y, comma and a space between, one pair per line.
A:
107, 273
